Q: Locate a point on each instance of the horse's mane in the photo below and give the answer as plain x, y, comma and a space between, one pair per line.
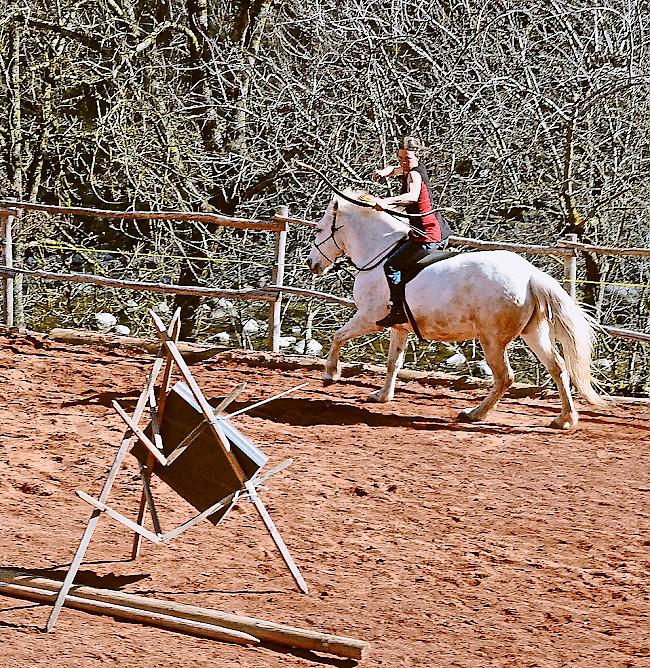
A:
353, 194
344, 205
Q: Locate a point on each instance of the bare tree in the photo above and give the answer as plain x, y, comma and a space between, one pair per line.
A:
536, 117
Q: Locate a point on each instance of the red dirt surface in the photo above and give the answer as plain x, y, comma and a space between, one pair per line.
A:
499, 544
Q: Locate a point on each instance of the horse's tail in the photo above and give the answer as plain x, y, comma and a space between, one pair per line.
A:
574, 329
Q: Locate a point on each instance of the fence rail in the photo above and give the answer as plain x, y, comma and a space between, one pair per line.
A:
533, 249
273, 225
268, 293
568, 249
9, 209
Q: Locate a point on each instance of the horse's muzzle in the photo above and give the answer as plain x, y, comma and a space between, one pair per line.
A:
314, 267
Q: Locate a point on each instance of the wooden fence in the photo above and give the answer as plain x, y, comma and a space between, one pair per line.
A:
279, 224
567, 248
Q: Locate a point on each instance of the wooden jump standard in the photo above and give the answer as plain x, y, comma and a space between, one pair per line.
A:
193, 448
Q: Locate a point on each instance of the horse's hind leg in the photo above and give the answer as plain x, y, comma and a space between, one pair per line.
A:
358, 325
398, 338
538, 337
496, 356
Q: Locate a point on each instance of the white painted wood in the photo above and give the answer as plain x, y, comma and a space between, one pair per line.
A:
118, 517
265, 401
103, 497
226, 401
141, 436
276, 469
277, 538
146, 498
206, 409
174, 533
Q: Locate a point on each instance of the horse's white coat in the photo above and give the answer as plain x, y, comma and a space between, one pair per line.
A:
492, 296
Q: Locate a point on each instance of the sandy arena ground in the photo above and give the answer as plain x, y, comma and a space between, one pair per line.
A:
499, 544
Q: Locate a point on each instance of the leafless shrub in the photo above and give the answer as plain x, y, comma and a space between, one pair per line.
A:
536, 120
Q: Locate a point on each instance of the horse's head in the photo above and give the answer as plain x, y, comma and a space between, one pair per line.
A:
353, 228
327, 246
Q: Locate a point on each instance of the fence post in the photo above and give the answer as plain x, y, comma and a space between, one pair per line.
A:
8, 261
571, 269
277, 278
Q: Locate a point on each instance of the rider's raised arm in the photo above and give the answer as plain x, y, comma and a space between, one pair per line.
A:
414, 185
385, 172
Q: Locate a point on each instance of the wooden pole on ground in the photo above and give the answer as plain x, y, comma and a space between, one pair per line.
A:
570, 269
131, 614
265, 631
8, 281
277, 278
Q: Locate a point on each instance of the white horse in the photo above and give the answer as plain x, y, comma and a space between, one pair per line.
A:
492, 296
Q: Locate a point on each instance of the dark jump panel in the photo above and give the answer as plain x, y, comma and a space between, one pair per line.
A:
202, 474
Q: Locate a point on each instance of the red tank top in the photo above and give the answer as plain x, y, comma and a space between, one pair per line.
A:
427, 228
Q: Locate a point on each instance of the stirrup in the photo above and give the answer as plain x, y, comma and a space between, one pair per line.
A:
396, 316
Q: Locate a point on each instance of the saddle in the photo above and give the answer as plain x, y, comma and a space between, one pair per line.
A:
426, 261
412, 272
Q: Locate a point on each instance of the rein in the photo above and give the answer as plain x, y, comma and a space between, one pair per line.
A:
332, 187
373, 262
358, 202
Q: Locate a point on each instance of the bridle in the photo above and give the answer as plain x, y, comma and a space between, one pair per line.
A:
333, 231
373, 263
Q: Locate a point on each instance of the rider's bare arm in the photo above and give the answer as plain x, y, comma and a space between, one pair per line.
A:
414, 184
389, 170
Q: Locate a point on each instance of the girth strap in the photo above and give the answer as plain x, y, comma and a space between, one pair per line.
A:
413, 321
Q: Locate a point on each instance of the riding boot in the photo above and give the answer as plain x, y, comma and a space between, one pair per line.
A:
397, 314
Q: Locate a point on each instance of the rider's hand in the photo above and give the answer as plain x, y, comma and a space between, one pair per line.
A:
375, 176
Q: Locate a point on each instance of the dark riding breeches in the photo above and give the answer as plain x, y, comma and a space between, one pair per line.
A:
404, 257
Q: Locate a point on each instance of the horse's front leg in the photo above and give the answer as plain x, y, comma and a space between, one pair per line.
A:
358, 325
398, 338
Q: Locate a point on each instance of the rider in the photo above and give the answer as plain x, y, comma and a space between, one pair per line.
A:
425, 235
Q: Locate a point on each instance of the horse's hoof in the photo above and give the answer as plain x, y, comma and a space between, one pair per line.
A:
331, 378
466, 417
378, 397
564, 423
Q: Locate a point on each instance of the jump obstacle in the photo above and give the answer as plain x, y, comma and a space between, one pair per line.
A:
196, 451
